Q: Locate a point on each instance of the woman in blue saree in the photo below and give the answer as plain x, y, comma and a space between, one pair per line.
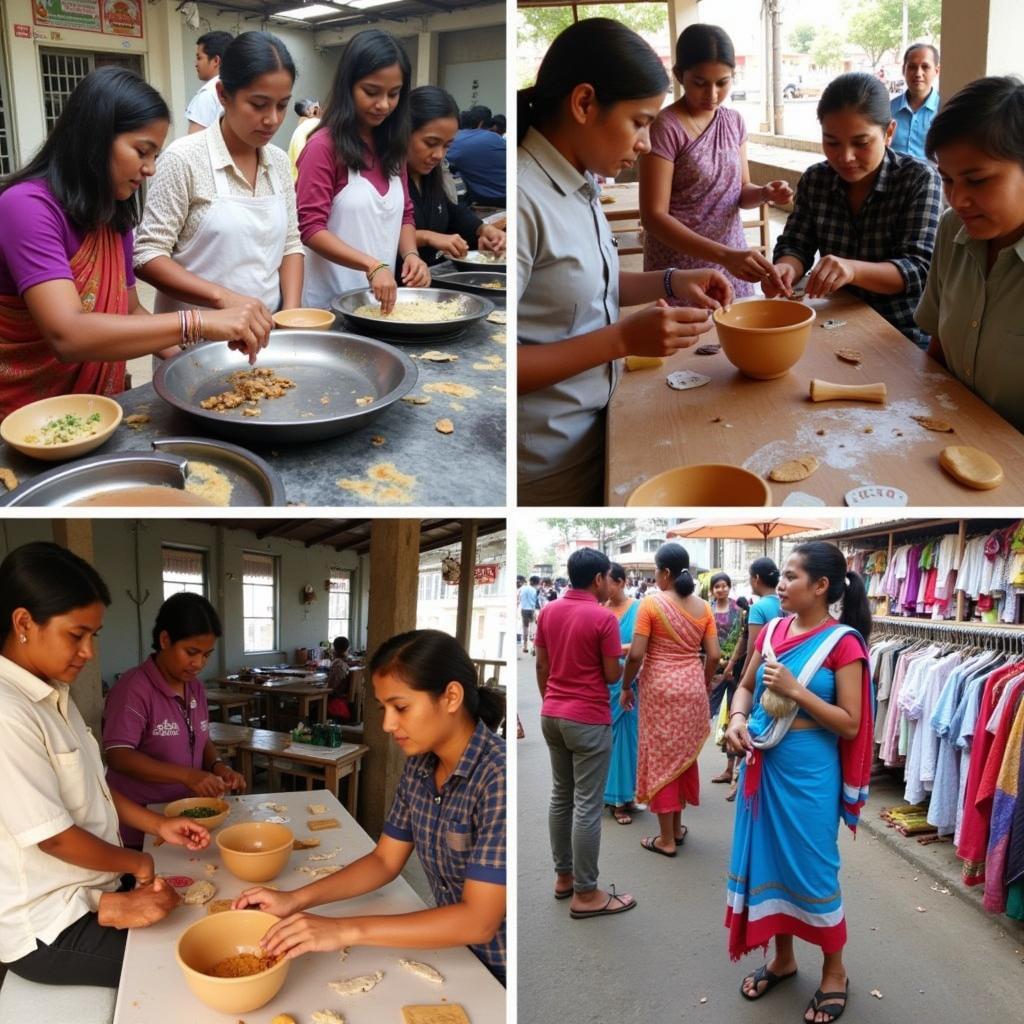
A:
802, 715
620, 789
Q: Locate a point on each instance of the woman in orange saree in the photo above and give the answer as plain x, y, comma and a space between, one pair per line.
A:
69, 313
673, 627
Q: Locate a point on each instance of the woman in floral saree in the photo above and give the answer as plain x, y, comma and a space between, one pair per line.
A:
672, 627
803, 716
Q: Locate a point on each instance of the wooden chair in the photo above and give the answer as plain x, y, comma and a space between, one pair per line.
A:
761, 222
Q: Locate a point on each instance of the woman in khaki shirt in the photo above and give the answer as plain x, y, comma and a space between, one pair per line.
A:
71, 889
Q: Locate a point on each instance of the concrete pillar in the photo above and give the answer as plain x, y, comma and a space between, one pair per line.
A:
979, 37
680, 14
394, 582
87, 691
467, 579
426, 58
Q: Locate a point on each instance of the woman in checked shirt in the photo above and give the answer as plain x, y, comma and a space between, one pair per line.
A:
449, 807
870, 213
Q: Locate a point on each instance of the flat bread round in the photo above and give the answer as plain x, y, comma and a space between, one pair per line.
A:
444, 426
199, 893
791, 471
932, 423
971, 467
849, 355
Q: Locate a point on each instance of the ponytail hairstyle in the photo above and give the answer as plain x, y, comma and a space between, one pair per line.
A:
824, 560
617, 573
251, 55
429, 103
367, 52
674, 558
617, 62
860, 92
184, 615
74, 161
989, 113
703, 44
46, 580
428, 660
766, 571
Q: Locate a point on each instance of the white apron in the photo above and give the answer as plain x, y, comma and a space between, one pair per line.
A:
364, 219
239, 245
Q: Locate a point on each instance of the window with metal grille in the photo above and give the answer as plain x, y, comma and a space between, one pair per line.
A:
184, 571
6, 139
339, 603
259, 602
62, 71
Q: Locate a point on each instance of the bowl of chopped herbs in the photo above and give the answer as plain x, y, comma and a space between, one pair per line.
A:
61, 427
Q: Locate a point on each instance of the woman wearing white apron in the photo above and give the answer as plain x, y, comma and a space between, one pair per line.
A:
353, 197
220, 226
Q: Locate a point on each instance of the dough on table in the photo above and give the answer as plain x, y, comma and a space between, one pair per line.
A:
327, 1017
305, 844
793, 470
284, 1018
423, 970
317, 808
199, 893
218, 906
353, 986
319, 824
971, 467
934, 423
449, 1013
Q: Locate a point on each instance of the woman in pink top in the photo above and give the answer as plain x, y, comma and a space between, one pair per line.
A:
353, 196
695, 180
156, 721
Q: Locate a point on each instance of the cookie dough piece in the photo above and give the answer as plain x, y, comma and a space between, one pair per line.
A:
643, 362
218, 906
276, 808
319, 824
796, 469
933, 423
417, 399
316, 808
850, 355
444, 426
284, 1018
136, 420
305, 844
424, 971
971, 467
449, 1013
433, 356
8, 478
499, 316
199, 893
327, 1017
353, 986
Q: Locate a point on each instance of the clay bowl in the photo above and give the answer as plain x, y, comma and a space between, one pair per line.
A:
255, 851
176, 808
305, 319
763, 338
711, 484
215, 937
28, 421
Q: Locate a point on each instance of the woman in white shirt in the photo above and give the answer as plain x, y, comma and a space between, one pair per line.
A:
220, 226
70, 889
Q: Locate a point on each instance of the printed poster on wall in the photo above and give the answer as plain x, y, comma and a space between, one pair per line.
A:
122, 18
83, 15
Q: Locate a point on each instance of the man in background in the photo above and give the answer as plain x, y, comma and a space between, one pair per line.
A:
914, 109
528, 605
204, 108
478, 156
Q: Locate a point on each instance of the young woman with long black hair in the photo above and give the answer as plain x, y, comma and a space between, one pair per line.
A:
69, 312
449, 808
354, 207
443, 228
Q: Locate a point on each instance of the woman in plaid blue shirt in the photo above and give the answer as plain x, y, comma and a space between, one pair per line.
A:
449, 807
870, 212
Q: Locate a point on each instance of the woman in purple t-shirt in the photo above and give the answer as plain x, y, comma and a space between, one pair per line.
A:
69, 313
695, 180
156, 721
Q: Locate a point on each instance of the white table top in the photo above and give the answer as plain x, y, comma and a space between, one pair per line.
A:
153, 988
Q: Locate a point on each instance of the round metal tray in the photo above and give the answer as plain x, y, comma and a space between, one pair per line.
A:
473, 308
331, 370
254, 483
474, 282
475, 260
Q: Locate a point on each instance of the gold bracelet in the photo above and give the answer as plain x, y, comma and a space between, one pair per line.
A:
373, 270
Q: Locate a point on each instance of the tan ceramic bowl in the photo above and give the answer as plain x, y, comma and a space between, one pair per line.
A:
763, 338
255, 851
176, 808
305, 319
711, 484
29, 419
215, 937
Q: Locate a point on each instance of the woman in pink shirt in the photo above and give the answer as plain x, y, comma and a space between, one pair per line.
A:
353, 196
156, 722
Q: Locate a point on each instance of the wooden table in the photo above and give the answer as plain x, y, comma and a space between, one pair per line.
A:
627, 201
758, 424
228, 701
152, 987
275, 747
307, 694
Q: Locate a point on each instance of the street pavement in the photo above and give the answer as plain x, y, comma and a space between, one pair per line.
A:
666, 960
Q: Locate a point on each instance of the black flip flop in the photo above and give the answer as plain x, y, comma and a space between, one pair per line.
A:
604, 911
763, 974
648, 844
559, 895
820, 997
682, 839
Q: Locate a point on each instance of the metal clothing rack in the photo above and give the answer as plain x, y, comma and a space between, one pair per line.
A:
1008, 639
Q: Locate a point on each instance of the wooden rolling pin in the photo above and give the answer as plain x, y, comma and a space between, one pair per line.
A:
824, 391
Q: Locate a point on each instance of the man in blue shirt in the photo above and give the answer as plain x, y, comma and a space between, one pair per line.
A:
914, 109
528, 601
478, 156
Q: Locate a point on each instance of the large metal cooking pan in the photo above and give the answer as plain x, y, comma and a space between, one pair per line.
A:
331, 370
475, 283
253, 482
476, 260
471, 308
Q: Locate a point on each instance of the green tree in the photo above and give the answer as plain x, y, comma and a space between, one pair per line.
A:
877, 25
542, 24
827, 52
801, 38
524, 554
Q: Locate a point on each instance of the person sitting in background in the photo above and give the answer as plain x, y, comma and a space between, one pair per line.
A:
478, 155
204, 108
309, 118
498, 124
338, 680
914, 109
